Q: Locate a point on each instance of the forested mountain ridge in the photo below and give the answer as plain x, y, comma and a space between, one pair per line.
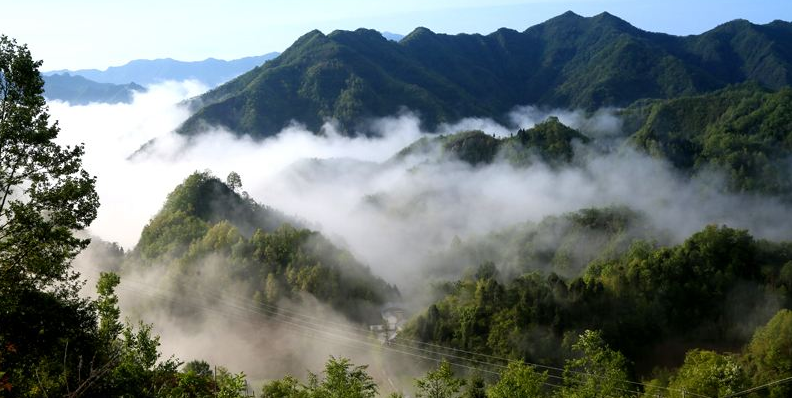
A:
550, 142
206, 222
652, 303
568, 61
743, 130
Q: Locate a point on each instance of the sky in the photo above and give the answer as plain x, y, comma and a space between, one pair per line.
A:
80, 34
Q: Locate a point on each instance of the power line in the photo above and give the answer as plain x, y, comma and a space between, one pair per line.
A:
757, 388
274, 312
272, 315
291, 322
276, 308
324, 335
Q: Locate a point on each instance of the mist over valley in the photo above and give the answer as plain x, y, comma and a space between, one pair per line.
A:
579, 209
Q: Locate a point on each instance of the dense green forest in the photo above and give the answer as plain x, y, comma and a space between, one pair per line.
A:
562, 245
549, 142
205, 222
651, 303
566, 62
744, 131
590, 303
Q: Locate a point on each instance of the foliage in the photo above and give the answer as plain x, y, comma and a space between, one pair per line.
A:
234, 181
44, 192
341, 379
599, 371
45, 196
550, 140
563, 245
707, 373
645, 297
439, 383
566, 62
205, 221
768, 357
519, 380
744, 131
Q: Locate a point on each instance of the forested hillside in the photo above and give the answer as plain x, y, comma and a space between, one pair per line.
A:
566, 62
270, 257
582, 209
744, 131
652, 303
549, 142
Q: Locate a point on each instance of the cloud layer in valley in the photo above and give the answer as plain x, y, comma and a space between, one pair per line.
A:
326, 179
393, 215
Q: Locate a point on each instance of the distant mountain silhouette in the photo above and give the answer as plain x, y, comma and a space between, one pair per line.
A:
78, 90
392, 36
210, 72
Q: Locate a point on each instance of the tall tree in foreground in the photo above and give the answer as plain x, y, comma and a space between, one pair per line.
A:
44, 192
439, 383
45, 195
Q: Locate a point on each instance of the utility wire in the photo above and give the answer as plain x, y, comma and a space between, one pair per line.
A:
303, 327
291, 322
272, 312
757, 388
418, 342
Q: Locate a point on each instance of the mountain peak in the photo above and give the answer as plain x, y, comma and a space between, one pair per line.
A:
608, 17
420, 31
359, 33
569, 14
566, 62
418, 35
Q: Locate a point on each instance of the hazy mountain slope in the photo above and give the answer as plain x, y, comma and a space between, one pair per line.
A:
568, 61
207, 233
210, 72
743, 130
78, 90
550, 142
652, 303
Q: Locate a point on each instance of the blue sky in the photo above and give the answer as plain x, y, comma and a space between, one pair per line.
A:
100, 33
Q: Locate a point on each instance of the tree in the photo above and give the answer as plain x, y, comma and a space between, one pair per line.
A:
600, 371
107, 307
200, 368
476, 387
707, 373
769, 355
288, 387
343, 380
234, 181
45, 194
518, 381
439, 383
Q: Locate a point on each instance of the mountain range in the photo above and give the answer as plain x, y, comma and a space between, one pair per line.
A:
116, 84
78, 90
146, 72
569, 61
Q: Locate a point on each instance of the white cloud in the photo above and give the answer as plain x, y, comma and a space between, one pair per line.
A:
424, 207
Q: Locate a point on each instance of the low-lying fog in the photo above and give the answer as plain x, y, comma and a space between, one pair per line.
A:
390, 214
